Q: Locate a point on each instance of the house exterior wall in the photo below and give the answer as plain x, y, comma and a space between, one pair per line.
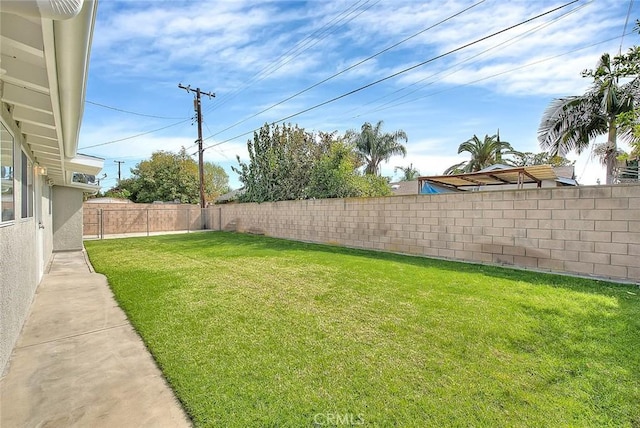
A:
590, 231
24, 251
46, 201
67, 219
48, 89
18, 282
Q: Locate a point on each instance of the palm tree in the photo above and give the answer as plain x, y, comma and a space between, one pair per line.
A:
455, 169
569, 124
375, 146
601, 150
484, 153
409, 173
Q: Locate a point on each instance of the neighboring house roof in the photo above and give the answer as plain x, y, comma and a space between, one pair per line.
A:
232, 196
495, 166
108, 201
44, 68
564, 171
404, 187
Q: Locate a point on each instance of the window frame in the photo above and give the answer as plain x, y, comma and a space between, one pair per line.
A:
27, 195
10, 177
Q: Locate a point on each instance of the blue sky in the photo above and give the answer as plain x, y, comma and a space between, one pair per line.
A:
255, 54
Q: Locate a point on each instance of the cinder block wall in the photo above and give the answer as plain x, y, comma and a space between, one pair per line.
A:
139, 218
592, 231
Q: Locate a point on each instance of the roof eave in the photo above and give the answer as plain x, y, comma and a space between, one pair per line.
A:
84, 164
73, 39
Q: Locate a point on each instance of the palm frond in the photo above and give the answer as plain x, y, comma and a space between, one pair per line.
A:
569, 124
455, 169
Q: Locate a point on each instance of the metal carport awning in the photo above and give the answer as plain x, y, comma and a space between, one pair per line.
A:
518, 176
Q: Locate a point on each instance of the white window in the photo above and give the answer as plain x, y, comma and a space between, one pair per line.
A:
7, 204
26, 177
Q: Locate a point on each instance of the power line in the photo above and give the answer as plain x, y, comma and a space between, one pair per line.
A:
511, 70
297, 50
624, 29
131, 112
453, 67
346, 94
348, 68
135, 136
260, 75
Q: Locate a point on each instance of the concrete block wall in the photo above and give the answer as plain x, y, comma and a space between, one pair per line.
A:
590, 230
139, 218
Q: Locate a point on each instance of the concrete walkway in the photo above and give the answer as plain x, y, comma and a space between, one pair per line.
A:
78, 362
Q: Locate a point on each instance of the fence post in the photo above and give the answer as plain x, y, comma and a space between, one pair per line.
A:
101, 225
188, 219
147, 221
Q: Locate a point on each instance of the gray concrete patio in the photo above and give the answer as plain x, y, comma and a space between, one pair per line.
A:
78, 361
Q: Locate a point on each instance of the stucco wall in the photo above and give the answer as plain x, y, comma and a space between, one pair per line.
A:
47, 220
21, 267
21, 259
592, 231
19, 276
67, 219
18, 281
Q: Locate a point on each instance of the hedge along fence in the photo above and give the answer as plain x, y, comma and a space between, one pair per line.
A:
592, 231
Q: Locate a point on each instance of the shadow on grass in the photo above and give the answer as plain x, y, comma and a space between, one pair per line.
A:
248, 243
603, 337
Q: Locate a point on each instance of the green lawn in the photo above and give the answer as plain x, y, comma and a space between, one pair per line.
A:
253, 331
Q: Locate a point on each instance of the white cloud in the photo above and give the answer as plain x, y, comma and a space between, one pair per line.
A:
143, 49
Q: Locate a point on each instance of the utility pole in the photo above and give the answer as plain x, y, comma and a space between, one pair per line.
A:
119, 163
198, 109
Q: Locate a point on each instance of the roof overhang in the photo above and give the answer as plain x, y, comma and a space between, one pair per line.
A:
44, 63
49, 9
85, 164
518, 176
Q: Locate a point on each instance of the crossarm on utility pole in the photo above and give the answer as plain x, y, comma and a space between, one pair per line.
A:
119, 163
198, 109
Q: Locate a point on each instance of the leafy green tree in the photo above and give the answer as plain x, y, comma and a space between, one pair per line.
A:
542, 158
375, 146
118, 193
631, 120
571, 123
286, 162
281, 158
216, 181
335, 175
372, 186
483, 153
171, 176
